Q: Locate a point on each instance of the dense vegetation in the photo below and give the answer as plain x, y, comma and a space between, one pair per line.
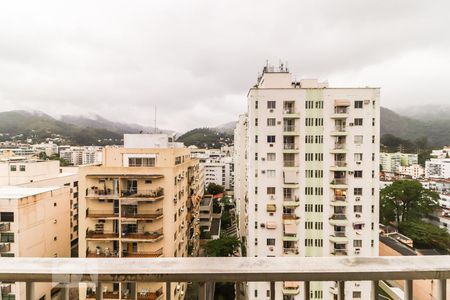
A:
214, 189
405, 203
206, 138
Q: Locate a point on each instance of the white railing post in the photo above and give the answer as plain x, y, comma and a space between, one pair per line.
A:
374, 295
98, 291
64, 291
29, 290
441, 289
408, 290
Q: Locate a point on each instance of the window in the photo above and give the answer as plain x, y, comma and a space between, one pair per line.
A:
270, 242
256, 104
271, 139
318, 225
309, 225
7, 237
271, 104
13, 168
7, 217
359, 104
271, 121
309, 104
357, 208
256, 121
309, 121
358, 122
357, 191
318, 243
22, 168
373, 156
271, 156
356, 294
319, 104
270, 191
357, 243
358, 157
141, 162
309, 207
309, 242
358, 174
256, 156
373, 139
256, 139
271, 173
373, 121
358, 139
318, 208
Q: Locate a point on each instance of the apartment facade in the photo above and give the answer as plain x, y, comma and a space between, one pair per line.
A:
312, 176
143, 201
391, 162
437, 168
34, 222
23, 172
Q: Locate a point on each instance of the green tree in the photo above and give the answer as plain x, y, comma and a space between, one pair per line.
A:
223, 247
426, 235
405, 200
214, 189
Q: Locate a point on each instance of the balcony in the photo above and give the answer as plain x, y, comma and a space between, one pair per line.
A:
156, 253
340, 112
291, 288
290, 113
339, 148
338, 237
290, 251
147, 195
101, 214
339, 201
291, 201
101, 235
143, 235
338, 219
99, 252
4, 227
290, 148
68, 271
339, 130
290, 216
5, 247
101, 193
339, 252
339, 165
142, 214
289, 129
339, 183
290, 164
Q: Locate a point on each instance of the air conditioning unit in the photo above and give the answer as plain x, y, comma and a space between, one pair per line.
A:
270, 145
272, 197
350, 124
263, 158
271, 110
262, 225
357, 199
358, 215
350, 172
270, 214
358, 162
271, 248
263, 172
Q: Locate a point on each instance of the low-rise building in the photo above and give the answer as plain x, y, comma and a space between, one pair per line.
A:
34, 222
390, 162
415, 171
437, 168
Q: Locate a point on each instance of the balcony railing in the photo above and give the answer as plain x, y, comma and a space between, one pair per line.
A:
156, 253
132, 193
339, 146
290, 146
5, 227
93, 234
337, 181
288, 128
6, 289
339, 234
96, 192
340, 198
143, 235
340, 110
338, 216
99, 214
228, 269
101, 252
290, 251
142, 214
290, 163
340, 163
290, 216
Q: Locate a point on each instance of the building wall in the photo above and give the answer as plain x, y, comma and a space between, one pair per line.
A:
33, 171
311, 197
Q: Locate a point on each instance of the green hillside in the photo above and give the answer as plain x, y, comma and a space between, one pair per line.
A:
206, 138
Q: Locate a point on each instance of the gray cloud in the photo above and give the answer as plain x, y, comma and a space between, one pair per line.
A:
195, 60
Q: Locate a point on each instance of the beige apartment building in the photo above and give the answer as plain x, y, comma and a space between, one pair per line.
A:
34, 222
27, 172
142, 201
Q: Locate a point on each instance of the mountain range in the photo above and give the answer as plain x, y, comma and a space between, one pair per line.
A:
412, 124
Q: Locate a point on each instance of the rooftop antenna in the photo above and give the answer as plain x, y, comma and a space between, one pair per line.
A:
154, 126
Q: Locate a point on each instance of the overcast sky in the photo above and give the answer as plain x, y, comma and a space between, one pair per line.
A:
195, 60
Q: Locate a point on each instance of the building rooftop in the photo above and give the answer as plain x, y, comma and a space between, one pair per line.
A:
17, 192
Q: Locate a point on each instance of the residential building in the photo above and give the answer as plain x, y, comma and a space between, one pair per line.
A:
81, 155
218, 164
240, 174
391, 162
415, 171
441, 153
34, 222
312, 175
142, 201
437, 168
23, 172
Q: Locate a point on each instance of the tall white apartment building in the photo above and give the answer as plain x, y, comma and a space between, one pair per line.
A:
437, 168
81, 155
240, 174
391, 162
312, 176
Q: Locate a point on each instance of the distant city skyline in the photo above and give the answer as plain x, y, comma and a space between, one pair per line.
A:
195, 61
